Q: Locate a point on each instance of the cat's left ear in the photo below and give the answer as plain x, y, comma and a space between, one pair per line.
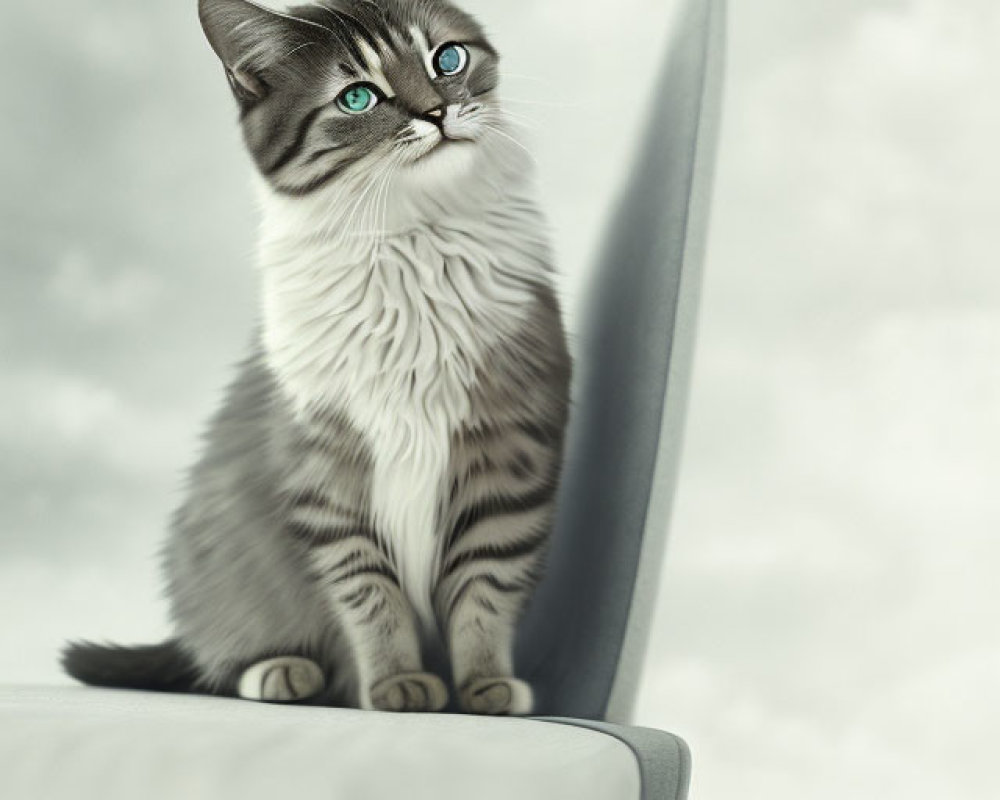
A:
250, 40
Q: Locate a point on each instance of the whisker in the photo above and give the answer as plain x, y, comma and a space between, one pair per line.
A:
356, 208
541, 103
518, 119
336, 218
502, 132
385, 203
294, 50
310, 23
372, 211
378, 182
534, 78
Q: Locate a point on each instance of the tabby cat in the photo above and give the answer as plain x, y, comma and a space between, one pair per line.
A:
380, 481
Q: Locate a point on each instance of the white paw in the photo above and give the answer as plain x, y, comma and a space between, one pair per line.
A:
284, 679
497, 696
409, 691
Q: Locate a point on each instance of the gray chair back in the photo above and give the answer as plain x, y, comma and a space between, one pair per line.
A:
584, 636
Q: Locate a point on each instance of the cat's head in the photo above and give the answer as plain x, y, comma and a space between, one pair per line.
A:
352, 88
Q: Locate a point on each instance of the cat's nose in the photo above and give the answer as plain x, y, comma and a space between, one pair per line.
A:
434, 114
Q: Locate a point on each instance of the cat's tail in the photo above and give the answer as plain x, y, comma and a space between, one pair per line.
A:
161, 667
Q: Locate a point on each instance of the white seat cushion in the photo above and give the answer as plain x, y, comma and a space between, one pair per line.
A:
78, 743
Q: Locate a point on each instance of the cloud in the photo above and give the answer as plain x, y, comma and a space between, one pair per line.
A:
74, 416
101, 298
825, 627
86, 468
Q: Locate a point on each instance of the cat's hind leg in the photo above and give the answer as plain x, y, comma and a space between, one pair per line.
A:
283, 679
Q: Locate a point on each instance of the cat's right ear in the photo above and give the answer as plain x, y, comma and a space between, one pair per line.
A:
250, 40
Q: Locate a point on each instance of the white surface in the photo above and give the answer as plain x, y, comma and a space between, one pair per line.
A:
79, 743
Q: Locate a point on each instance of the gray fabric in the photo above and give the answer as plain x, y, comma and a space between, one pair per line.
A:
585, 634
75, 743
664, 759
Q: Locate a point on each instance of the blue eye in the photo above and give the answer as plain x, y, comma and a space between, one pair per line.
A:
357, 99
451, 59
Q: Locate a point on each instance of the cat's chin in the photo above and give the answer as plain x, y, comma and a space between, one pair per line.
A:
450, 159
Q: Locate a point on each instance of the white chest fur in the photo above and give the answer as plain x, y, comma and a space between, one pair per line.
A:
394, 340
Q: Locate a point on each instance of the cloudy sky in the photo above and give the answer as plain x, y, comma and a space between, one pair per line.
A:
828, 620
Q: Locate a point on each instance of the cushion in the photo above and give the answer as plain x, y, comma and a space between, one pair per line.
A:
76, 742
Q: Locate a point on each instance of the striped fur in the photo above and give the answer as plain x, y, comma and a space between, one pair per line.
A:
382, 476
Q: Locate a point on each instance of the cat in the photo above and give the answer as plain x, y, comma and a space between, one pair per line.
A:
381, 478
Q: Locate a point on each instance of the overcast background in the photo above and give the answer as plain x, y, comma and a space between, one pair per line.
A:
828, 621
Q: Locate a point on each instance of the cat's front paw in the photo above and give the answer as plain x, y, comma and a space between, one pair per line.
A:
285, 679
497, 696
409, 691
